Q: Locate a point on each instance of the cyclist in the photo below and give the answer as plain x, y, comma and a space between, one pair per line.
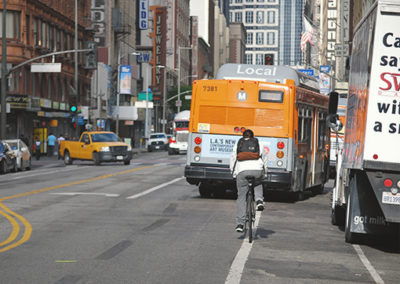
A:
249, 160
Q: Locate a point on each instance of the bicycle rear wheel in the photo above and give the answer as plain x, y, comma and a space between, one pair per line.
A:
249, 214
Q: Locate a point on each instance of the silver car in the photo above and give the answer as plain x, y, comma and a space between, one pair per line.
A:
22, 153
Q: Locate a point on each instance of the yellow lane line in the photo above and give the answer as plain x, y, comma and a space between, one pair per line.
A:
15, 226
28, 227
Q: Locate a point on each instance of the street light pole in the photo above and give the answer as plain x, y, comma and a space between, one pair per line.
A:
164, 100
179, 75
76, 67
3, 74
118, 89
146, 121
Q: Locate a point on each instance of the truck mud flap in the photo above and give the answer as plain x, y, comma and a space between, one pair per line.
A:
363, 214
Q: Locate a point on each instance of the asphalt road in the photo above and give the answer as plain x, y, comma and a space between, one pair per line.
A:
143, 223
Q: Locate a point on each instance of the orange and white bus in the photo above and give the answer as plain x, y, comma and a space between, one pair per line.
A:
284, 109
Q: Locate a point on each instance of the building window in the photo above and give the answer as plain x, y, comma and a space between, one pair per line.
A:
259, 38
249, 17
12, 24
238, 17
249, 0
230, 17
238, 1
260, 17
260, 0
249, 39
259, 59
249, 58
35, 32
271, 38
271, 17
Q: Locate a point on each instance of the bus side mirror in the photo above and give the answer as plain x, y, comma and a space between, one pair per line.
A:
333, 102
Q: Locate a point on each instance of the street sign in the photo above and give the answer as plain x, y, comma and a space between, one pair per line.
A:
178, 103
46, 67
309, 72
338, 50
188, 97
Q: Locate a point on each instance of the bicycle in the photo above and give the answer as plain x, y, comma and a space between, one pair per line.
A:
250, 206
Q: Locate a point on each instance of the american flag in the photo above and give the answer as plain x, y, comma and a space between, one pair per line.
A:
306, 35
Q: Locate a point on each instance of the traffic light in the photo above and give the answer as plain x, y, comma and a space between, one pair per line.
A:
269, 59
73, 107
91, 56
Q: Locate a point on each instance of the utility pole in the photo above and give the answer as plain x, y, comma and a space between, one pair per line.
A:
76, 68
3, 75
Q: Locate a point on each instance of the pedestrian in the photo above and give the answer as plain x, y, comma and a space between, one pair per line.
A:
59, 139
37, 145
51, 143
248, 159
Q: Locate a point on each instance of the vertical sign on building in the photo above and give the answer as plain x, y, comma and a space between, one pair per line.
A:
125, 79
195, 28
98, 17
159, 36
332, 30
143, 14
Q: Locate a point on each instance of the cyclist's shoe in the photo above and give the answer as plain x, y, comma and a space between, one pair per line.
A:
260, 205
239, 228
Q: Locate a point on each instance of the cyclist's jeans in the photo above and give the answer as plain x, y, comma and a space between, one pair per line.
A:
241, 184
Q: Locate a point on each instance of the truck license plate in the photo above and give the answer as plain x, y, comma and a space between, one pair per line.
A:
157, 147
389, 198
120, 157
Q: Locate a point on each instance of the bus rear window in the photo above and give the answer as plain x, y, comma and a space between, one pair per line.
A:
271, 96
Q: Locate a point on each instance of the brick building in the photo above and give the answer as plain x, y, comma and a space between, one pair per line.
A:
39, 102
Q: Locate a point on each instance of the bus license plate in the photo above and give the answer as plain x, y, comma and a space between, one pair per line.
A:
389, 198
120, 157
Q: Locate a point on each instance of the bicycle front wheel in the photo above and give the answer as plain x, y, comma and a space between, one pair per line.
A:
250, 213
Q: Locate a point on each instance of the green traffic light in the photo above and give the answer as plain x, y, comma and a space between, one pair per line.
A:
73, 108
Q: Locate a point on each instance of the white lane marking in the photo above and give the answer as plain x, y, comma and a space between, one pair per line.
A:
368, 265
44, 172
154, 188
86, 193
235, 273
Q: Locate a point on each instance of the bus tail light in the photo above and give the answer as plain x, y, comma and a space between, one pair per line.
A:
281, 145
197, 140
280, 154
197, 149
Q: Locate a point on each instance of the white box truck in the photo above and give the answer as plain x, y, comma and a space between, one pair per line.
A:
366, 197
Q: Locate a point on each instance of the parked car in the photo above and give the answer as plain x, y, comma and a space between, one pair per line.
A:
22, 153
8, 160
157, 141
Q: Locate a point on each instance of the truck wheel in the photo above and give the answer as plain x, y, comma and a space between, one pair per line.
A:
338, 216
127, 162
170, 151
96, 159
67, 158
204, 190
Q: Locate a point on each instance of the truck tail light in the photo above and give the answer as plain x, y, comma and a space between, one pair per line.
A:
388, 182
280, 154
197, 140
281, 145
197, 149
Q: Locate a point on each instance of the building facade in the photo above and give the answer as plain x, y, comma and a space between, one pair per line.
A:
273, 29
39, 101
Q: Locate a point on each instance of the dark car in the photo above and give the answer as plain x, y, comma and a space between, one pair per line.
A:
8, 160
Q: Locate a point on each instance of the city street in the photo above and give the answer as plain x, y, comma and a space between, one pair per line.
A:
143, 223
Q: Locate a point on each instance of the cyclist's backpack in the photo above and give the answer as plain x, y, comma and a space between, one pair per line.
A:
248, 149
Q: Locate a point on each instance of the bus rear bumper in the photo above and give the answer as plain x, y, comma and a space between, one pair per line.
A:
196, 174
